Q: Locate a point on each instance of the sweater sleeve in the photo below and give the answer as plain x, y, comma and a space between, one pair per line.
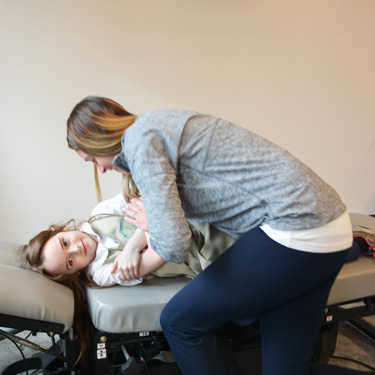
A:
170, 233
150, 151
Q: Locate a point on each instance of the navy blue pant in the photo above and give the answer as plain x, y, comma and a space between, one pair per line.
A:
256, 278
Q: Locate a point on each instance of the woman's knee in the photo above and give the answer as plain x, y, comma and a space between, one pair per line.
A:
167, 317
176, 317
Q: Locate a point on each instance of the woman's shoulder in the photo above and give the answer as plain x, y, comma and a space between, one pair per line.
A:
162, 127
165, 116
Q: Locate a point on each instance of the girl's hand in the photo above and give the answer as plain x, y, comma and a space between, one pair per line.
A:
127, 263
136, 214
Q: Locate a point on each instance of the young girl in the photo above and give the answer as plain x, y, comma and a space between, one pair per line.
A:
101, 252
92, 255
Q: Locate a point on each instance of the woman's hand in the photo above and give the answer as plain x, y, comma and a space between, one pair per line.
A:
136, 214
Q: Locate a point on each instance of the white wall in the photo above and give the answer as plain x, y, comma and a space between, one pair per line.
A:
301, 73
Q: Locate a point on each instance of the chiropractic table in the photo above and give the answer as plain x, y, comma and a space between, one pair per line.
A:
125, 335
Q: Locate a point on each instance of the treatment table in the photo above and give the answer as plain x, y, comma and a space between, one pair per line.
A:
125, 335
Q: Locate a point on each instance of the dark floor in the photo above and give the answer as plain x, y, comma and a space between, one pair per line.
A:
349, 345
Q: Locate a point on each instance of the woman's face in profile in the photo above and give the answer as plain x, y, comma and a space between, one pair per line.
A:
104, 163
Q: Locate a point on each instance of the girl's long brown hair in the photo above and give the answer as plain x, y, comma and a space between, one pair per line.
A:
32, 258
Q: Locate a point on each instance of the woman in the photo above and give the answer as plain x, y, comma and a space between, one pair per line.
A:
293, 229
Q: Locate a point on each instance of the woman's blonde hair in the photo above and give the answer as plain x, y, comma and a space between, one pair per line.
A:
96, 126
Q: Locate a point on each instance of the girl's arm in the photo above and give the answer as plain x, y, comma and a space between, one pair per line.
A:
103, 277
128, 262
132, 262
150, 260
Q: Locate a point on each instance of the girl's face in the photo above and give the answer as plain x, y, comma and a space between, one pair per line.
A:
104, 163
68, 252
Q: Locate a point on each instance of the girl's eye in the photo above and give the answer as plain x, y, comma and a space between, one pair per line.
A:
70, 262
65, 242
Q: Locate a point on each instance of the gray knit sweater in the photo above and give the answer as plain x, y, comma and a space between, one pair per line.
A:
202, 168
